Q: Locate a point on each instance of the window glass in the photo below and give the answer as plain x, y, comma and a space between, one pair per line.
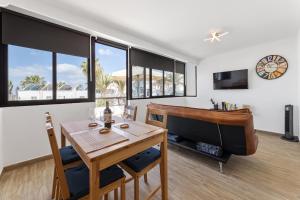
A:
179, 84
157, 82
29, 74
147, 82
72, 77
137, 82
168, 77
110, 73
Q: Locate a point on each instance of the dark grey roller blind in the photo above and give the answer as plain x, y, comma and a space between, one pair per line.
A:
179, 67
22, 30
146, 59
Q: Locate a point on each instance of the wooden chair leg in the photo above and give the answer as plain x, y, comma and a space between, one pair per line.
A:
146, 178
60, 195
123, 195
116, 194
106, 196
53, 184
57, 190
136, 188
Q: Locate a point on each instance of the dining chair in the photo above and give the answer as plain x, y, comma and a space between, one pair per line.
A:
74, 182
69, 157
130, 112
156, 117
140, 164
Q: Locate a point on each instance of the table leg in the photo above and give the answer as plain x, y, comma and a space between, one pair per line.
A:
62, 138
164, 168
94, 181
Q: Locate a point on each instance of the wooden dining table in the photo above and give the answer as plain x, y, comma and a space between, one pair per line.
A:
99, 151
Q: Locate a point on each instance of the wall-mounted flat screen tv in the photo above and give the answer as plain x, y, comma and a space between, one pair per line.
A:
231, 80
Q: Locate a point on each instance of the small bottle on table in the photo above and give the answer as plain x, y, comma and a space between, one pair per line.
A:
107, 116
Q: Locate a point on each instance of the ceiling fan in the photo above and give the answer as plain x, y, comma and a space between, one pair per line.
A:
215, 36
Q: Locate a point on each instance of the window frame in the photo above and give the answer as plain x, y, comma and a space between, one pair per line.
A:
150, 83
116, 45
4, 101
55, 88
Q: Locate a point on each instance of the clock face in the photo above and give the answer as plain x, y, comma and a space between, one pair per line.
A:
271, 67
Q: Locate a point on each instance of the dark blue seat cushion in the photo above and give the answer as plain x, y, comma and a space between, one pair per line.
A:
68, 155
78, 179
141, 160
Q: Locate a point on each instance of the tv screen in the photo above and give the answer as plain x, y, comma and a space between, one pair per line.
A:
231, 80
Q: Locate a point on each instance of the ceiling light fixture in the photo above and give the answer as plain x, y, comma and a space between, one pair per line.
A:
215, 36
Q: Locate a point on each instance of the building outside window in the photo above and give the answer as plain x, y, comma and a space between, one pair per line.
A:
179, 84
157, 82
168, 78
72, 77
29, 74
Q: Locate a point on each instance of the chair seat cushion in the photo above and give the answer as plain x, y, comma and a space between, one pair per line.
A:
141, 160
78, 179
68, 155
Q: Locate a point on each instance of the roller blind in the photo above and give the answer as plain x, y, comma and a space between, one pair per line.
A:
22, 30
179, 67
146, 59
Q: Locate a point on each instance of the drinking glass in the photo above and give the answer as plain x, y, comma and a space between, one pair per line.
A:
92, 115
124, 117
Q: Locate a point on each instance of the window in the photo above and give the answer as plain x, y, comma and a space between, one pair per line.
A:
179, 84
72, 77
110, 76
152, 75
179, 78
168, 77
39, 70
147, 82
29, 74
137, 82
157, 82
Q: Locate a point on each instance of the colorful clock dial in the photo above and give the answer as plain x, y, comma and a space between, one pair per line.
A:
271, 67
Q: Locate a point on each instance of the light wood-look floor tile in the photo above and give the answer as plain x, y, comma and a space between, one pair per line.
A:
273, 173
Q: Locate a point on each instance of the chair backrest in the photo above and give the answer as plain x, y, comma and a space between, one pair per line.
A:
48, 118
130, 112
57, 159
156, 117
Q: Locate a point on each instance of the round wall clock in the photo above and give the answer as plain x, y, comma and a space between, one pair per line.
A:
271, 67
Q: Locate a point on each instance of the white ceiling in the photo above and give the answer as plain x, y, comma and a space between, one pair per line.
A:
181, 25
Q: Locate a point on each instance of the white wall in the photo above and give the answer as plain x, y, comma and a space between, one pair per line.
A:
191, 79
267, 97
24, 135
142, 104
298, 79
